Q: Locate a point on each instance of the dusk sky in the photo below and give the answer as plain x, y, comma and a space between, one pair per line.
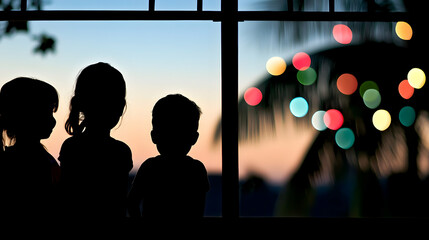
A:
158, 58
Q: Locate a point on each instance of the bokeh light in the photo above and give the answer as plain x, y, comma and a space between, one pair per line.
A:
298, 107
345, 138
347, 83
276, 66
403, 30
333, 119
317, 120
416, 78
381, 119
407, 116
372, 98
342, 34
405, 89
253, 96
367, 85
301, 61
307, 77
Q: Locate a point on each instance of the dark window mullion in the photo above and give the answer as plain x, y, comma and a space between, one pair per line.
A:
229, 91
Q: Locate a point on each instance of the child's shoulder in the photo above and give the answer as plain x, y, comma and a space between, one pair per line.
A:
84, 140
121, 144
195, 161
151, 161
73, 140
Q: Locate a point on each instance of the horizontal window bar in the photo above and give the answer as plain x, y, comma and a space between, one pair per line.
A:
111, 15
322, 16
108, 15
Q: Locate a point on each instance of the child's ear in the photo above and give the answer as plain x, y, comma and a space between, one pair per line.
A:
154, 136
195, 137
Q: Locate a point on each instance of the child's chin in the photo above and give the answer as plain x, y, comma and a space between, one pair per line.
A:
46, 135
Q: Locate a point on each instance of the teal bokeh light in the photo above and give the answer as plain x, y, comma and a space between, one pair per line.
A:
298, 107
345, 138
407, 116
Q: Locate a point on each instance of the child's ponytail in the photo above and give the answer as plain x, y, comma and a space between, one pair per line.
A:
2, 132
73, 125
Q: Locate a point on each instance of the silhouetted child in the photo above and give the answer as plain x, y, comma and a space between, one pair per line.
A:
171, 184
29, 175
95, 167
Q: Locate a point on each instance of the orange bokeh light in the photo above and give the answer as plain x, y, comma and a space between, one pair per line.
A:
403, 30
347, 83
276, 66
405, 89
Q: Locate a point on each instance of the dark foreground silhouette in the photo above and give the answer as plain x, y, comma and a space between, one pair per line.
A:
171, 185
95, 166
28, 173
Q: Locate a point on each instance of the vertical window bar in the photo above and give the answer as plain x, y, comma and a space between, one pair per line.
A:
151, 5
229, 95
290, 5
199, 5
331, 6
371, 5
23, 5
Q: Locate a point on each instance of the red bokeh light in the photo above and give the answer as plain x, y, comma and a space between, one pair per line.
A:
342, 34
301, 61
253, 96
333, 119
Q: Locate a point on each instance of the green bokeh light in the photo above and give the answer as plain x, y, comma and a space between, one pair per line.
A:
307, 77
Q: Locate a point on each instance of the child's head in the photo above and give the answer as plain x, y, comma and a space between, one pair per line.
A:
26, 110
175, 121
99, 99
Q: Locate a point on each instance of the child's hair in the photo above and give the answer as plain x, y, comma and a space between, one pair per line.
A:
98, 86
21, 99
177, 108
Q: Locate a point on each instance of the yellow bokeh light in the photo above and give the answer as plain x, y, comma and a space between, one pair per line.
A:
403, 30
276, 66
416, 78
381, 119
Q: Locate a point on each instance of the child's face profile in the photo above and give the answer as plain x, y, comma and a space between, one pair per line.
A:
42, 123
47, 123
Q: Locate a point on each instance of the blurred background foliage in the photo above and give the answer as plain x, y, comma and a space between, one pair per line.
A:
45, 43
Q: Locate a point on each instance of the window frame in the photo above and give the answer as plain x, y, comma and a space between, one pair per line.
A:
229, 16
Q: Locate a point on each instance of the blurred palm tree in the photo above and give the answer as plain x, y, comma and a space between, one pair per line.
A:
379, 174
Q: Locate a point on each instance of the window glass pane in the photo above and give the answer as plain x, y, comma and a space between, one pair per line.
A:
362, 6
95, 5
175, 5
211, 5
282, 5
257, 5
323, 131
155, 58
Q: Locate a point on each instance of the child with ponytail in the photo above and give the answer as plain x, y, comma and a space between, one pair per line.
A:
95, 167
